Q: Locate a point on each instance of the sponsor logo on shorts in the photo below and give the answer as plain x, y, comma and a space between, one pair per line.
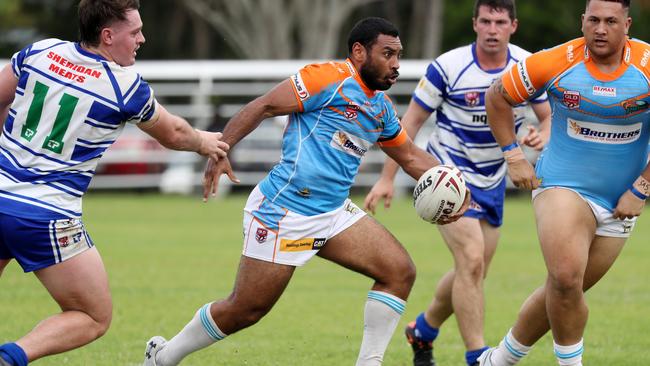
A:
604, 91
301, 89
351, 208
627, 227
301, 245
64, 242
571, 99
634, 105
473, 205
602, 133
472, 99
350, 144
261, 234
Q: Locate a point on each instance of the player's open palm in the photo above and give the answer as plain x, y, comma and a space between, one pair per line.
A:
212, 146
213, 172
629, 206
382, 189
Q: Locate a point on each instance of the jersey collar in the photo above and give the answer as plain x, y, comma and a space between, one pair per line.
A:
625, 62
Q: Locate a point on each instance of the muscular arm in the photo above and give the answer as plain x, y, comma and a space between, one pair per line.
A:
411, 158
412, 121
8, 84
278, 101
498, 106
175, 133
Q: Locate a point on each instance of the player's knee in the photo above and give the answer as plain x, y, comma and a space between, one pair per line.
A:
566, 281
405, 272
471, 267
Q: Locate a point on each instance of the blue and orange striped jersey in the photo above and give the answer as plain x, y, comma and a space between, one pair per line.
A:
340, 118
600, 122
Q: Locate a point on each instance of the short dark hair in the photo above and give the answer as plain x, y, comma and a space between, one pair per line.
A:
508, 5
95, 15
625, 3
367, 30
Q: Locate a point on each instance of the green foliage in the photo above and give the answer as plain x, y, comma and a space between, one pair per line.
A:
168, 255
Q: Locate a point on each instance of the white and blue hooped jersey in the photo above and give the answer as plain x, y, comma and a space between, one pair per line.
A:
454, 86
322, 147
600, 122
70, 106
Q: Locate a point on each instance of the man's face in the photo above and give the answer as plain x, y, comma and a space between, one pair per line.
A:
379, 71
125, 39
605, 25
493, 29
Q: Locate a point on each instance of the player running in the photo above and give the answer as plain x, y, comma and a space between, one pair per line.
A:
65, 103
591, 181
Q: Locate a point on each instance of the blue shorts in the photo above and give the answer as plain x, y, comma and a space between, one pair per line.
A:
487, 204
37, 244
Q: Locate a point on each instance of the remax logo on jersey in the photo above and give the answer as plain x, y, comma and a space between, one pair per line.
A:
571, 99
604, 91
602, 133
301, 89
349, 144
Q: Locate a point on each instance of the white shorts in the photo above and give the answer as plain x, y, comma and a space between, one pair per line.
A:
275, 234
607, 224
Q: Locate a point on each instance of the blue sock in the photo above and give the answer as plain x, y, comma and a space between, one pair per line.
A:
472, 356
424, 331
12, 353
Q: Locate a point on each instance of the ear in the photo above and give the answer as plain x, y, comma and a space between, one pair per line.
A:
359, 53
106, 36
515, 24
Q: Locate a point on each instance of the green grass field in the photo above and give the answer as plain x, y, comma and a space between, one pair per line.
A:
167, 256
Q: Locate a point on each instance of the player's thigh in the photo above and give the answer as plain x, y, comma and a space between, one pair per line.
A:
464, 239
260, 283
369, 248
491, 236
566, 227
602, 255
80, 283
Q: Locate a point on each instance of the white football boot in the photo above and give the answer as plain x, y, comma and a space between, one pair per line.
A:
154, 345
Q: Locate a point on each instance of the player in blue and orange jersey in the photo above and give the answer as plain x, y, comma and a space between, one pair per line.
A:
337, 111
598, 90
453, 89
65, 103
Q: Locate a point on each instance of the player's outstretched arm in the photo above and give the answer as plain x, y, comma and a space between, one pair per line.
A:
175, 133
498, 106
8, 84
278, 101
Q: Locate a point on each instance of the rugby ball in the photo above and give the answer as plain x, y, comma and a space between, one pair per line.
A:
440, 191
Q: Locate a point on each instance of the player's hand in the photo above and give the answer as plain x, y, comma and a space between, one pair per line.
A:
522, 174
629, 206
213, 172
443, 220
382, 189
211, 145
535, 138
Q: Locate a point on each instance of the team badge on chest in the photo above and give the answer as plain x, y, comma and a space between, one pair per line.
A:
472, 99
571, 99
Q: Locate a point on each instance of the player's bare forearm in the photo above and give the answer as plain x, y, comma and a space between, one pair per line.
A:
412, 159
499, 114
278, 101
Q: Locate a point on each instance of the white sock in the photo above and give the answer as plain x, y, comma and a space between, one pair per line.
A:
569, 355
381, 315
509, 351
199, 333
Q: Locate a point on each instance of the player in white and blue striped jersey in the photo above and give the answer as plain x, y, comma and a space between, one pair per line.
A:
65, 103
453, 89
